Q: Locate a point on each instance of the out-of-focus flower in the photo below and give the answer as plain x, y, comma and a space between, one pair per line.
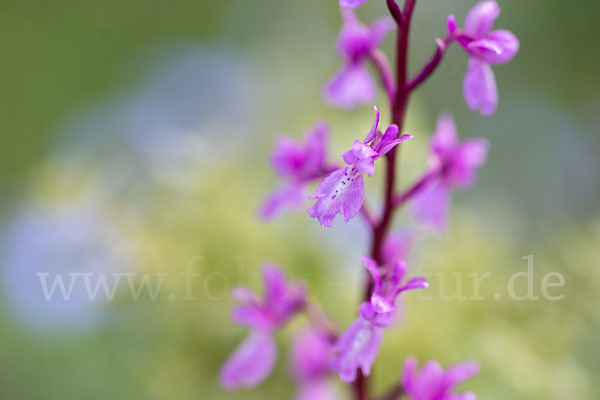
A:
253, 361
297, 164
353, 85
358, 346
485, 47
455, 164
388, 286
311, 352
433, 383
342, 192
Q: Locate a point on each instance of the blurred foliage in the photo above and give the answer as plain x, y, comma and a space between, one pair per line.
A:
538, 195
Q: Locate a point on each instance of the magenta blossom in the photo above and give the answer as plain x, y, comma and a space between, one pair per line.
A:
485, 47
311, 352
433, 383
343, 192
388, 286
297, 165
353, 85
351, 3
453, 164
358, 346
253, 361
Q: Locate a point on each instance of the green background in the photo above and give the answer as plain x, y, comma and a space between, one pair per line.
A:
68, 73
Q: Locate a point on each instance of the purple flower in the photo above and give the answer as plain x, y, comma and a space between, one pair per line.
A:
433, 383
297, 165
311, 352
388, 286
353, 85
485, 47
358, 346
453, 164
342, 192
254, 359
251, 363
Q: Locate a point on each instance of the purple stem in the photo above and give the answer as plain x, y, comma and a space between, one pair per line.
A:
398, 109
416, 187
369, 217
430, 67
395, 11
382, 66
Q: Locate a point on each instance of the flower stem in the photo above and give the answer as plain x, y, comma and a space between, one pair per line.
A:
430, 67
416, 187
398, 107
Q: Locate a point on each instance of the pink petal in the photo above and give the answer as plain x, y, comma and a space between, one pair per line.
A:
373, 269
251, 363
497, 48
470, 155
416, 283
387, 145
253, 316
459, 373
479, 87
286, 198
373, 131
316, 149
451, 23
351, 87
445, 137
429, 380
288, 156
431, 205
318, 390
481, 18
408, 373
342, 192
310, 355
275, 284
357, 348
380, 28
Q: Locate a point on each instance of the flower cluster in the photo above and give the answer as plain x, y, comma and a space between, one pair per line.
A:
358, 346
320, 350
254, 359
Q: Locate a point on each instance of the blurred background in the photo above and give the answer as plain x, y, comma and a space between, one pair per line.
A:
135, 139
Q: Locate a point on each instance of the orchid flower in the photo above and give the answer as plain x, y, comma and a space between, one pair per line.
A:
455, 163
353, 85
311, 351
358, 346
485, 47
343, 192
433, 383
253, 361
297, 164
